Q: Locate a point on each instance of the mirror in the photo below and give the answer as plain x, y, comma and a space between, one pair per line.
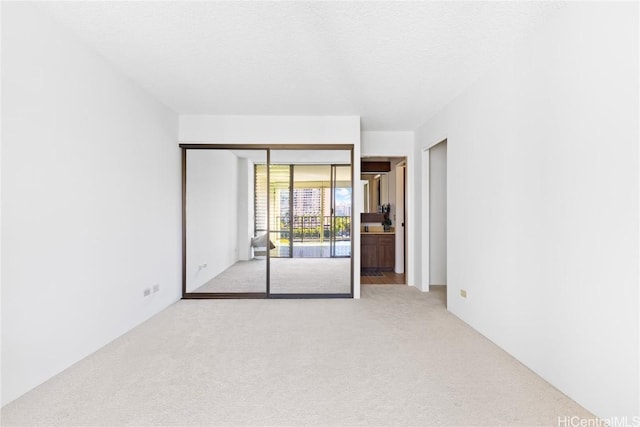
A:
225, 241
375, 190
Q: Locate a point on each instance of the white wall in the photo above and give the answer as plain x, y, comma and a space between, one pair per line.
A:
438, 214
90, 201
543, 204
281, 130
270, 129
212, 214
399, 144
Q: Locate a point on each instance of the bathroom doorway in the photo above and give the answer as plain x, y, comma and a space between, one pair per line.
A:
383, 221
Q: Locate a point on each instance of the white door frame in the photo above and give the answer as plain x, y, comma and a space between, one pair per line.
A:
400, 144
410, 212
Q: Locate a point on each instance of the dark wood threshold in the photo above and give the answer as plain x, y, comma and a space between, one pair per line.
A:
387, 278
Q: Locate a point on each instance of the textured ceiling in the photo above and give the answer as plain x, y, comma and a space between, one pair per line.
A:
393, 63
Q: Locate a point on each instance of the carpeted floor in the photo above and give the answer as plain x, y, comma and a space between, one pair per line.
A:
288, 276
243, 276
311, 275
394, 357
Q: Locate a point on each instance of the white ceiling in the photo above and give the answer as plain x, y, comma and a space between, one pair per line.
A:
393, 63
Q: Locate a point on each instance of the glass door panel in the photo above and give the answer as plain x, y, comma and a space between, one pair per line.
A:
341, 207
311, 217
311, 211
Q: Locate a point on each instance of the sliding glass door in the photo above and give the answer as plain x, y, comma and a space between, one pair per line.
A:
310, 210
341, 210
265, 222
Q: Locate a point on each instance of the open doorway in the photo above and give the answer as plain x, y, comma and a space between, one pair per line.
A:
438, 216
383, 221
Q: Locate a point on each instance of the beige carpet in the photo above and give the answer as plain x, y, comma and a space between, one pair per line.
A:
288, 276
311, 275
243, 276
394, 357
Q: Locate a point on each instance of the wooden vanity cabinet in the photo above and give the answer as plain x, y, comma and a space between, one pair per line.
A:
377, 251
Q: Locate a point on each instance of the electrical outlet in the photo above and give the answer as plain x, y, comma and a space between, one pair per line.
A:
156, 287
463, 293
147, 292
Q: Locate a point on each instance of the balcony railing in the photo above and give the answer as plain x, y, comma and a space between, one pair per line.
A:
312, 228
